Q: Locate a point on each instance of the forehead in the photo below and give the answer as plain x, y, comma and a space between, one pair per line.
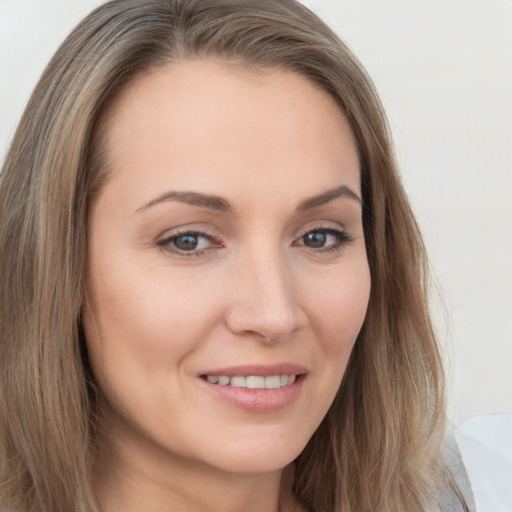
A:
225, 120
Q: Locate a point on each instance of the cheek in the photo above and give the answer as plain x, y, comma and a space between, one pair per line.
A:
338, 307
140, 326
152, 313
336, 311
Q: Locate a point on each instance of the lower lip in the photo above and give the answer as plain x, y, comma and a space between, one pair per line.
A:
258, 400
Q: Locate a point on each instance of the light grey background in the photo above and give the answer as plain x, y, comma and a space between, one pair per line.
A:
444, 71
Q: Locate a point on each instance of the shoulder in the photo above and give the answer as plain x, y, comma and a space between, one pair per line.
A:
450, 502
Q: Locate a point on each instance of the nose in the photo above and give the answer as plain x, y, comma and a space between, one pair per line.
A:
264, 302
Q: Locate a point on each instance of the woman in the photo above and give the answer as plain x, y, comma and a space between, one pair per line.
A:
215, 290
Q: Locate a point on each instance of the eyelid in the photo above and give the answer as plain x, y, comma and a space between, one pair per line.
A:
201, 228
321, 226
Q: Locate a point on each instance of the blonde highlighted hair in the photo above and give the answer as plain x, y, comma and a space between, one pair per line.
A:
379, 446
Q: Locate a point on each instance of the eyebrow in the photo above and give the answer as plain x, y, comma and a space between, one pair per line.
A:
327, 196
192, 198
219, 204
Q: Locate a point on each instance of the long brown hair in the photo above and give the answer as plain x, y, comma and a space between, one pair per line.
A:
379, 446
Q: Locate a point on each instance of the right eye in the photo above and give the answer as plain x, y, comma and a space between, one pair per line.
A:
189, 243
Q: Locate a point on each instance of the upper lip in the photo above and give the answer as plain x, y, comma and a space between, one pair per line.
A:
258, 370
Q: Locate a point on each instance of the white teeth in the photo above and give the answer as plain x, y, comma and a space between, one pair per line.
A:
238, 382
273, 382
252, 381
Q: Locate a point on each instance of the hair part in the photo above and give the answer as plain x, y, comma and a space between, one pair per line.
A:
379, 446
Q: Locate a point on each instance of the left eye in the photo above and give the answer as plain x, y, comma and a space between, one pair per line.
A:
191, 242
324, 239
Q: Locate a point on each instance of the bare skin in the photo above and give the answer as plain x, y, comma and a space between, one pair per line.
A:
227, 243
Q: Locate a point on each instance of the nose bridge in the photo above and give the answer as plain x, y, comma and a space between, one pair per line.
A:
264, 302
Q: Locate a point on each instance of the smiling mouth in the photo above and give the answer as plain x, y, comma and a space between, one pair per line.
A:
257, 388
252, 381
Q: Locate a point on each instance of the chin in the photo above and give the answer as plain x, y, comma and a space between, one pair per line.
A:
260, 454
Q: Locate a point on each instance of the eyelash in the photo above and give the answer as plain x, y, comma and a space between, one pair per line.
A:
342, 239
167, 243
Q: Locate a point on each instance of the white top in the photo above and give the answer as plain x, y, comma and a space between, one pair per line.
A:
485, 444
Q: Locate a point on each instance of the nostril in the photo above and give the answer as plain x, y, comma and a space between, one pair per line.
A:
263, 303
264, 323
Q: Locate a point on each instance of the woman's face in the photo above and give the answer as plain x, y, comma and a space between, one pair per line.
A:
227, 276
